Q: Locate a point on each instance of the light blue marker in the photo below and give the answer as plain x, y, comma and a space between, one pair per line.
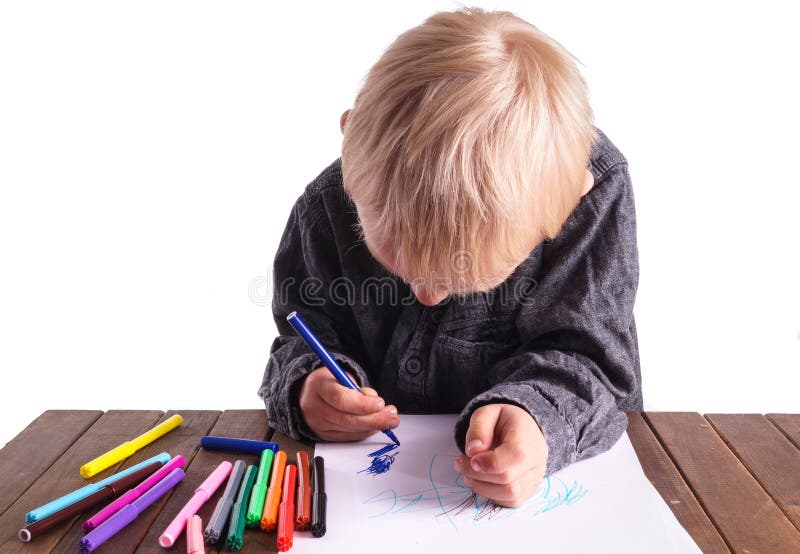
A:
71, 498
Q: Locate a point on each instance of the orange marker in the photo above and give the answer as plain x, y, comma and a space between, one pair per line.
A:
303, 492
269, 517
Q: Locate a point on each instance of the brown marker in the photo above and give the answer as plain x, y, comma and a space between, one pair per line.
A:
303, 521
108, 492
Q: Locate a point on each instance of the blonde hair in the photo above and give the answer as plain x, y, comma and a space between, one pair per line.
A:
466, 146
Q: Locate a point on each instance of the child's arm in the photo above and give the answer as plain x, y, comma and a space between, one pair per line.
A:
579, 358
305, 265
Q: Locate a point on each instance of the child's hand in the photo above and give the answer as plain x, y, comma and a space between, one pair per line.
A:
336, 413
506, 454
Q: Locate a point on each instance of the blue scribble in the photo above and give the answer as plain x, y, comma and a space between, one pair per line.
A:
382, 460
448, 497
384, 450
379, 497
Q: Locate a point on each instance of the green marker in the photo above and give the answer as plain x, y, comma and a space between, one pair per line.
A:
236, 529
259, 491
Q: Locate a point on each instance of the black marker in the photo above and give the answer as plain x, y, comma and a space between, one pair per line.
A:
318, 500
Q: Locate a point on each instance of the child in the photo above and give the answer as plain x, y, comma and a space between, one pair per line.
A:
473, 251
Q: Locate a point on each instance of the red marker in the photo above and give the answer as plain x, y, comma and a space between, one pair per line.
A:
286, 512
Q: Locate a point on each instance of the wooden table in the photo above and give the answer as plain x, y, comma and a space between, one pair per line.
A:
733, 481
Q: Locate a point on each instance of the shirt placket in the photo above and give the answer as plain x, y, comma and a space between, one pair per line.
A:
413, 363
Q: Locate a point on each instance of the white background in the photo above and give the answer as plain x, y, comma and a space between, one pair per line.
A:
150, 153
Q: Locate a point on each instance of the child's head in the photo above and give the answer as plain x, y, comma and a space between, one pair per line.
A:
466, 146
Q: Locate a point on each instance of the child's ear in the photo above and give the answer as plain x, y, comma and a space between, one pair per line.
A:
343, 120
588, 182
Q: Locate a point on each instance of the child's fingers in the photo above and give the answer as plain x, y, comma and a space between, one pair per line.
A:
512, 494
347, 400
369, 391
509, 495
480, 433
462, 465
343, 436
341, 421
508, 458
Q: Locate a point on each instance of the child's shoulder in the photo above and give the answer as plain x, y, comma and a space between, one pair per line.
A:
604, 155
329, 178
325, 193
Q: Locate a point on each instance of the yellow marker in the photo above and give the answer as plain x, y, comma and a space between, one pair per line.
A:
127, 448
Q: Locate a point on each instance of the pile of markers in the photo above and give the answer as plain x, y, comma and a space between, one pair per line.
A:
273, 496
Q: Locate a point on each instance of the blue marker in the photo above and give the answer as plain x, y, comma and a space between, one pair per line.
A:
245, 446
344, 379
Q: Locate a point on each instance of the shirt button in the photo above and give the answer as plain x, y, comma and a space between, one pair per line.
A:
436, 316
413, 365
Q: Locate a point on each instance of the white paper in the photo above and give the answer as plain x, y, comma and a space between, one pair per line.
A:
604, 504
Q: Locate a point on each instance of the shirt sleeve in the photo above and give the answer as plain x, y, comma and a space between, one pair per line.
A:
306, 264
579, 357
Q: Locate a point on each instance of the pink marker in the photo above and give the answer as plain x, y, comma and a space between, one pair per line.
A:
132, 494
201, 494
195, 543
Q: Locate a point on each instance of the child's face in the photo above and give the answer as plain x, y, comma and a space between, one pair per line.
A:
384, 256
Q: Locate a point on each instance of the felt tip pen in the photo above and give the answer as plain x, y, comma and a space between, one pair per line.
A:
194, 536
132, 494
256, 507
245, 446
319, 500
32, 530
303, 500
326, 358
201, 494
235, 538
113, 525
286, 515
126, 449
269, 517
222, 511
64, 501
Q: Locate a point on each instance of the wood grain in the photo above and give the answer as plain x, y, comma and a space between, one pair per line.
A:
184, 440
33, 451
63, 476
733, 481
789, 425
742, 511
665, 477
772, 459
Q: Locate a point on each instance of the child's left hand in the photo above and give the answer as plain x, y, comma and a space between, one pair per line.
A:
506, 454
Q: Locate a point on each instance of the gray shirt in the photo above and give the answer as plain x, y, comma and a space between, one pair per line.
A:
557, 338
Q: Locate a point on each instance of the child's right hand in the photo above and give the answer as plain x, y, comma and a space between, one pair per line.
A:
336, 413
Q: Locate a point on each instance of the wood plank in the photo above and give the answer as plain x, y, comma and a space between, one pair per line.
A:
665, 477
772, 459
789, 425
29, 454
258, 541
63, 476
744, 513
184, 440
246, 424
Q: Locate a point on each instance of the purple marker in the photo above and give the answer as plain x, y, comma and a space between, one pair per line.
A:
126, 515
132, 494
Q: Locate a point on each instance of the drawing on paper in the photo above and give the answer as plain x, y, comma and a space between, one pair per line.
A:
450, 502
382, 460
